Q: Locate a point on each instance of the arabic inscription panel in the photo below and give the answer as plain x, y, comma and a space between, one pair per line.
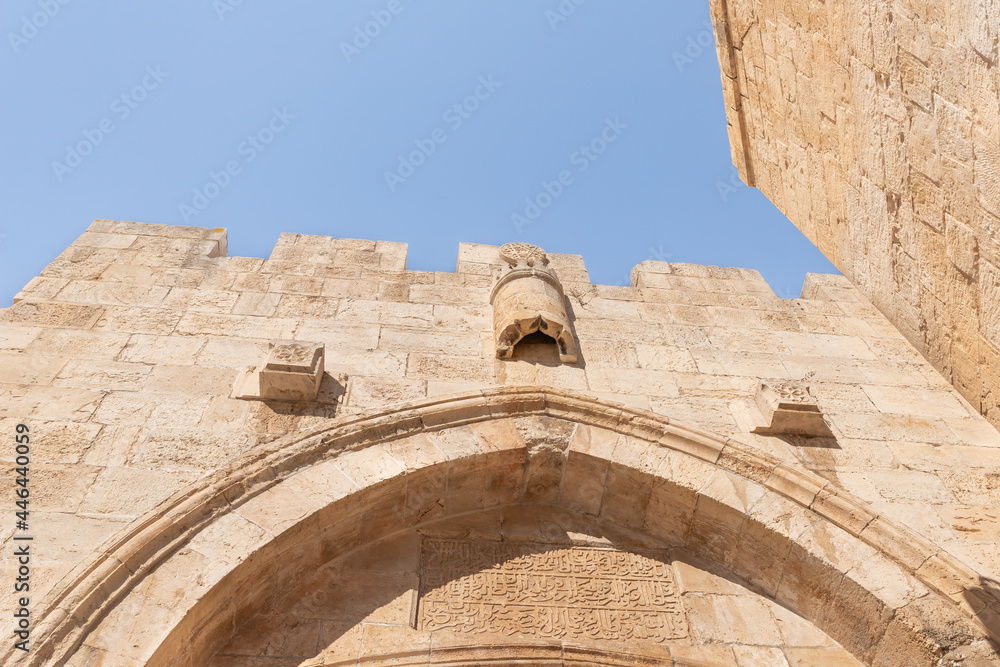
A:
546, 591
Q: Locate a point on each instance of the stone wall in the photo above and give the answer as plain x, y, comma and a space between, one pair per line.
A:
875, 127
122, 355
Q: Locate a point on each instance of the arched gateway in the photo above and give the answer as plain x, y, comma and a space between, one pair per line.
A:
518, 525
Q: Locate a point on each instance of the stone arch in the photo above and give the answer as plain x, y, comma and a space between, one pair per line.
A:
167, 590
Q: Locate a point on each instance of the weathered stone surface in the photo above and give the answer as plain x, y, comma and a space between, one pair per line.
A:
293, 371
129, 408
527, 298
891, 167
789, 409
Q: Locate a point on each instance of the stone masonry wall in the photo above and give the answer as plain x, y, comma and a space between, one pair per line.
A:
874, 125
121, 358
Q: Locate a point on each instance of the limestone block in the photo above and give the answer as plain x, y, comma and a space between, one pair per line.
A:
103, 240
927, 403
788, 408
131, 492
386, 312
736, 339
436, 340
175, 246
990, 302
149, 349
292, 371
458, 295
52, 314
528, 297
626, 497
349, 288
243, 326
453, 368
41, 289
177, 379
59, 488
16, 337
138, 320
124, 227
373, 392
625, 381
665, 358
186, 449
291, 284
820, 345
341, 335
201, 300
612, 354
103, 375
751, 364
727, 619
55, 403
648, 332
78, 344
18, 369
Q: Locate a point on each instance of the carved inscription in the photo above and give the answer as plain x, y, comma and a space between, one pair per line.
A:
548, 591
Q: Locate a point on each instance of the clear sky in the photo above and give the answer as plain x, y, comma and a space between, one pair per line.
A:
595, 128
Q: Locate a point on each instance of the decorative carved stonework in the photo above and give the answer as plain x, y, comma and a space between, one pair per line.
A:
528, 297
294, 356
513, 253
787, 408
548, 591
293, 371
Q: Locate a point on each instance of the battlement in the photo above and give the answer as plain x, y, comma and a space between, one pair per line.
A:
148, 261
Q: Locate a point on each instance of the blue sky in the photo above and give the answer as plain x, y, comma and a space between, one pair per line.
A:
596, 129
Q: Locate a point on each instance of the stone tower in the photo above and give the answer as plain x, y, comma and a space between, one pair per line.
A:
323, 458
875, 127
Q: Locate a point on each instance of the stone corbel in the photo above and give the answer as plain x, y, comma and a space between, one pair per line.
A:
528, 297
293, 371
788, 408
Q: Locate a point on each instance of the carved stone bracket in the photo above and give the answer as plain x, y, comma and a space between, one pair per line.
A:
293, 371
788, 408
528, 297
